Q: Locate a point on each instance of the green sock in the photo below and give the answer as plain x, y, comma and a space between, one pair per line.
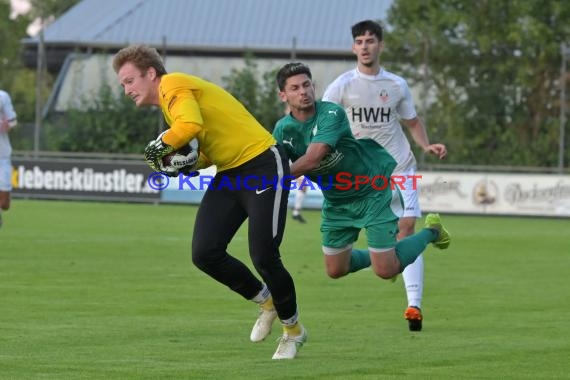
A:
359, 259
409, 248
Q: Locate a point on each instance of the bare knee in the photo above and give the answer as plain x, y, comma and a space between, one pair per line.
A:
385, 273
336, 268
4, 200
336, 273
338, 264
386, 265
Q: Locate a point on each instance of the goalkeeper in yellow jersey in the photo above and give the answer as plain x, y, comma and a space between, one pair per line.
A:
233, 140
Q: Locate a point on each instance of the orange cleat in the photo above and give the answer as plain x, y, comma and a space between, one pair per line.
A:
414, 316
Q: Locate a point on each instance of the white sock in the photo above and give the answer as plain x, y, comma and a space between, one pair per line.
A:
413, 277
299, 198
263, 295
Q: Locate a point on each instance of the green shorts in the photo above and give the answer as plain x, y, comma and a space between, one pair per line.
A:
341, 223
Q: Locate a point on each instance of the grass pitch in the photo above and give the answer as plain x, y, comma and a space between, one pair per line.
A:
108, 291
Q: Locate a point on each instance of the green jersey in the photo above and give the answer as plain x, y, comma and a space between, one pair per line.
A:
343, 172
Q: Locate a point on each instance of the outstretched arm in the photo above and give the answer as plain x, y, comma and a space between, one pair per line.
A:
419, 134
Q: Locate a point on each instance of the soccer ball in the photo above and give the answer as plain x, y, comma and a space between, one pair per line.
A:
183, 159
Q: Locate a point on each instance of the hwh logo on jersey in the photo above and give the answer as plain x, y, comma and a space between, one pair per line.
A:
371, 115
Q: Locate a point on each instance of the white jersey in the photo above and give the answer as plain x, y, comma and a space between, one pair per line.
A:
374, 105
6, 112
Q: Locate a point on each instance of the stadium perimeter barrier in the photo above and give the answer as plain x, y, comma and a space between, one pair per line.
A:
82, 177
475, 190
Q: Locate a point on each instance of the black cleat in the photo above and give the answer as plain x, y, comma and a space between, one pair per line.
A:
299, 218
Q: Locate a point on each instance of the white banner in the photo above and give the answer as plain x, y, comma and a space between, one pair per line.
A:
495, 193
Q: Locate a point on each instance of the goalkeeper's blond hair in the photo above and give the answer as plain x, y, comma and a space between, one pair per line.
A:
141, 56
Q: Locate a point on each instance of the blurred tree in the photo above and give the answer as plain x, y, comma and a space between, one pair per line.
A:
11, 31
271, 108
490, 72
17, 80
110, 123
256, 91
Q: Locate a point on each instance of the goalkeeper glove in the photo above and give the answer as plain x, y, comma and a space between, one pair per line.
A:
154, 151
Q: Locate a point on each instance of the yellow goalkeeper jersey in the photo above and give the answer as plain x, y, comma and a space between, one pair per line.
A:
228, 134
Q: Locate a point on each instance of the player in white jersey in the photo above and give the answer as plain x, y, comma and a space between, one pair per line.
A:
378, 103
7, 121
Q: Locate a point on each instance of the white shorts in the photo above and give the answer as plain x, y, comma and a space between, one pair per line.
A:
409, 192
5, 175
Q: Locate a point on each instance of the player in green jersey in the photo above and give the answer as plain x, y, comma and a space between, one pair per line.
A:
354, 176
